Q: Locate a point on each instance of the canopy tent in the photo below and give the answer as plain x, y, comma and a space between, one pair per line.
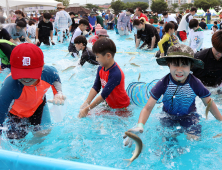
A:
200, 11
16, 4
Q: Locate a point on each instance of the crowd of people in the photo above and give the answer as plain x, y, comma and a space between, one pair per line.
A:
22, 96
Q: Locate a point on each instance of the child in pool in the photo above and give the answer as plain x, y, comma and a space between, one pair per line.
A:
102, 33
22, 96
179, 89
109, 76
87, 54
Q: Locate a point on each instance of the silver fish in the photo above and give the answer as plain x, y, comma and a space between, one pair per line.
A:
139, 147
129, 39
133, 64
69, 68
132, 58
72, 76
208, 107
139, 76
68, 54
218, 135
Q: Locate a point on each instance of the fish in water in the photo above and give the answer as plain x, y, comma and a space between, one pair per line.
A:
72, 76
129, 39
139, 77
218, 135
68, 54
69, 68
139, 147
133, 64
132, 58
208, 107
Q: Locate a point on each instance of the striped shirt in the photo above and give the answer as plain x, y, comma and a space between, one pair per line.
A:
62, 20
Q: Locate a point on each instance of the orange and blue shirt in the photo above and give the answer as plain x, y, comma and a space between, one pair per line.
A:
112, 81
23, 101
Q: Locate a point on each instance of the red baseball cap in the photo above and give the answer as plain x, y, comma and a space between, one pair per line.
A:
26, 61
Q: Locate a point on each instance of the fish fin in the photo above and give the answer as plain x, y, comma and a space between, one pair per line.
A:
128, 162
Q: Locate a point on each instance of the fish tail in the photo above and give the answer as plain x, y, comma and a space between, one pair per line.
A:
128, 162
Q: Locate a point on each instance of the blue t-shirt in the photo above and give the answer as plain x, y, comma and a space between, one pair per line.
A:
92, 20
183, 101
161, 33
106, 17
208, 16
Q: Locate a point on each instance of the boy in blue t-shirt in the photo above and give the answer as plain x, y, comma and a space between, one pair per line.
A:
179, 89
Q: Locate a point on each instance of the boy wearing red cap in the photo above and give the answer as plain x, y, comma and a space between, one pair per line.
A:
22, 96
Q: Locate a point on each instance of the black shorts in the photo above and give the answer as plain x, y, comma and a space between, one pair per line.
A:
19, 127
45, 40
189, 123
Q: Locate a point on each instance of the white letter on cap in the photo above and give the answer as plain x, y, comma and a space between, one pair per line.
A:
26, 61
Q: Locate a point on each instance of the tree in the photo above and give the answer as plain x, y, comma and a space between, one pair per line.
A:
117, 6
64, 2
159, 6
142, 5
184, 7
206, 4
173, 7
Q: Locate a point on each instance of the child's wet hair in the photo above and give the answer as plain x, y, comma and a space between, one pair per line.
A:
84, 22
139, 21
177, 60
215, 26
193, 23
47, 15
168, 26
217, 41
80, 39
103, 46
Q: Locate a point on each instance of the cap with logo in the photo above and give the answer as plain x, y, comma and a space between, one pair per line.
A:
26, 61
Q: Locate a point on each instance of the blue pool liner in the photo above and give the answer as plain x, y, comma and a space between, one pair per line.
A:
20, 161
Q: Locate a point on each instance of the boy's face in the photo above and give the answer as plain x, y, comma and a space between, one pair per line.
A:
214, 29
165, 16
179, 73
28, 82
103, 60
79, 46
139, 27
83, 27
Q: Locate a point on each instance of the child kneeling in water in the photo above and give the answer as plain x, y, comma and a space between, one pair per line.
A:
22, 96
109, 76
179, 89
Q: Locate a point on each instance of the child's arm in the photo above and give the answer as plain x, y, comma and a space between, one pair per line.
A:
91, 96
160, 43
213, 109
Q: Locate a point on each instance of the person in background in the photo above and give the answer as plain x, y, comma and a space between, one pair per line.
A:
215, 29
52, 19
41, 16
32, 18
110, 77
140, 14
155, 18
178, 18
184, 24
23, 94
215, 24
203, 24
92, 20
220, 15
2, 18
105, 25
116, 23
220, 26
110, 20
62, 23
31, 29
44, 30
17, 30
161, 23
208, 14
74, 24
87, 54
36, 17
102, 34
99, 19
83, 24
11, 18
147, 33
4, 34
123, 25
20, 17
79, 16
168, 18
196, 36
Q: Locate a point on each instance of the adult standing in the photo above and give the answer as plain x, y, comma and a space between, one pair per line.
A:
208, 14
2, 18
99, 19
147, 33
140, 14
62, 23
11, 18
92, 20
20, 16
184, 24
110, 20
41, 16
124, 22
168, 18
211, 75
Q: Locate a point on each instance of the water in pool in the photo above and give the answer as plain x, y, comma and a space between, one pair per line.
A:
98, 139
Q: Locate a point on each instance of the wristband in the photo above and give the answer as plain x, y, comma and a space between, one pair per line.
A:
141, 125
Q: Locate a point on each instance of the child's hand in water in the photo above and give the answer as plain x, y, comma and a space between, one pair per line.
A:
127, 141
84, 105
59, 99
83, 112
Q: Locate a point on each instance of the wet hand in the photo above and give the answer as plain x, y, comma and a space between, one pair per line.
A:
137, 131
36, 41
52, 42
83, 112
122, 29
84, 105
59, 99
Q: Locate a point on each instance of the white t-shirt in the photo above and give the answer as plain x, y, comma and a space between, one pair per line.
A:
184, 25
195, 39
75, 34
32, 30
170, 18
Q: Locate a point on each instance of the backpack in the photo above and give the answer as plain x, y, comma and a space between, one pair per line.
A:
187, 18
